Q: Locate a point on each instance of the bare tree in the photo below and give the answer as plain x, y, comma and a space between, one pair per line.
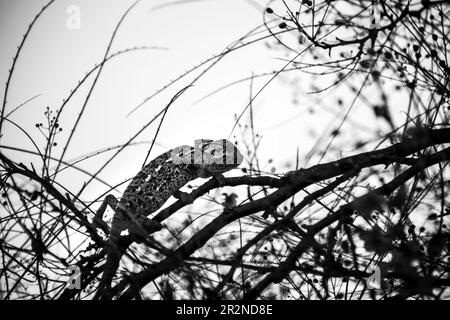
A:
316, 232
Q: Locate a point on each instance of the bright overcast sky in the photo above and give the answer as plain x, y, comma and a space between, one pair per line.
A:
184, 33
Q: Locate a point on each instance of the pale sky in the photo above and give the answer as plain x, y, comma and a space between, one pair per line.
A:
185, 33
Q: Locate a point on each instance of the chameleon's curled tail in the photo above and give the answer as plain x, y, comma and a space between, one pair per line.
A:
116, 248
113, 255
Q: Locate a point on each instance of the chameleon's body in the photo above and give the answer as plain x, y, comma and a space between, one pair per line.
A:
152, 187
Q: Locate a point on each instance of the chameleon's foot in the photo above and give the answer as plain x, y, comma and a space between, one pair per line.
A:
220, 179
139, 233
98, 222
182, 196
229, 203
271, 211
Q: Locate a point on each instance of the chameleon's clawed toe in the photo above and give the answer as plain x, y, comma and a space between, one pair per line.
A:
220, 179
182, 196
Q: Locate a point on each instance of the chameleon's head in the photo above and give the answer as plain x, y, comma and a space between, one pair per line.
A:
216, 156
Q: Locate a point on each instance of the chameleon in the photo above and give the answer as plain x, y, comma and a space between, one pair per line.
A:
157, 181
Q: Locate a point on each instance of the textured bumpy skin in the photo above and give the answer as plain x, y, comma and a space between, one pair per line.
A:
150, 189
